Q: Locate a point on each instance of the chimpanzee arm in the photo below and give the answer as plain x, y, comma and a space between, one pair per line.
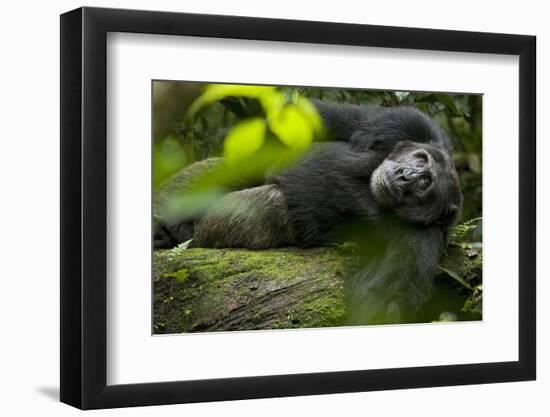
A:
378, 128
395, 275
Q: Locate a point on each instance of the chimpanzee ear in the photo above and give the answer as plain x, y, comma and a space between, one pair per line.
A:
362, 141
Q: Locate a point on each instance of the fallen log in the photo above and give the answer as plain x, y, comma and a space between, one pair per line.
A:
197, 290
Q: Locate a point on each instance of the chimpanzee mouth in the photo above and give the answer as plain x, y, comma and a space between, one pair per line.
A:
383, 188
388, 187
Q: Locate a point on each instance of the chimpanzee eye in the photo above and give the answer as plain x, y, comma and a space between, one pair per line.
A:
424, 182
421, 159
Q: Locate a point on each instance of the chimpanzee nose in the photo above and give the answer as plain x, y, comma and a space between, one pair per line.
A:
405, 175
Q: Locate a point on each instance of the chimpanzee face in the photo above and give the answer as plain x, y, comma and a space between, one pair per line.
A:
419, 182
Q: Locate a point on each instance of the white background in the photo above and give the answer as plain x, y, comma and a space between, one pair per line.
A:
297, 351
29, 218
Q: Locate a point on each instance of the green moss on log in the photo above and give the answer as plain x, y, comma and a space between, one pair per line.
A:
236, 289
214, 289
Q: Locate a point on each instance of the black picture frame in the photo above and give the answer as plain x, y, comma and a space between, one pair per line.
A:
84, 207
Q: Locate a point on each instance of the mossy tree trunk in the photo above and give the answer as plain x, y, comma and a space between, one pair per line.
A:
236, 289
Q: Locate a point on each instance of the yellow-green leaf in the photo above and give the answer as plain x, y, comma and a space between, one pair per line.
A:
244, 139
215, 92
310, 113
273, 103
292, 128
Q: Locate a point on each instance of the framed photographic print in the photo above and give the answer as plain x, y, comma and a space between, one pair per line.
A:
258, 208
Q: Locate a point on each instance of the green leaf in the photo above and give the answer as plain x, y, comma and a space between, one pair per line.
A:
448, 102
273, 103
309, 111
178, 250
244, 139
193, 204
216, 92
293, 128
456, 277
474, 303
461, 231
441, 101
168, 157
401, 95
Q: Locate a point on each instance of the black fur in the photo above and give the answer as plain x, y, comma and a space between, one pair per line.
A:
394, 276
329, 195
327, 189
380, 128
253, 218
